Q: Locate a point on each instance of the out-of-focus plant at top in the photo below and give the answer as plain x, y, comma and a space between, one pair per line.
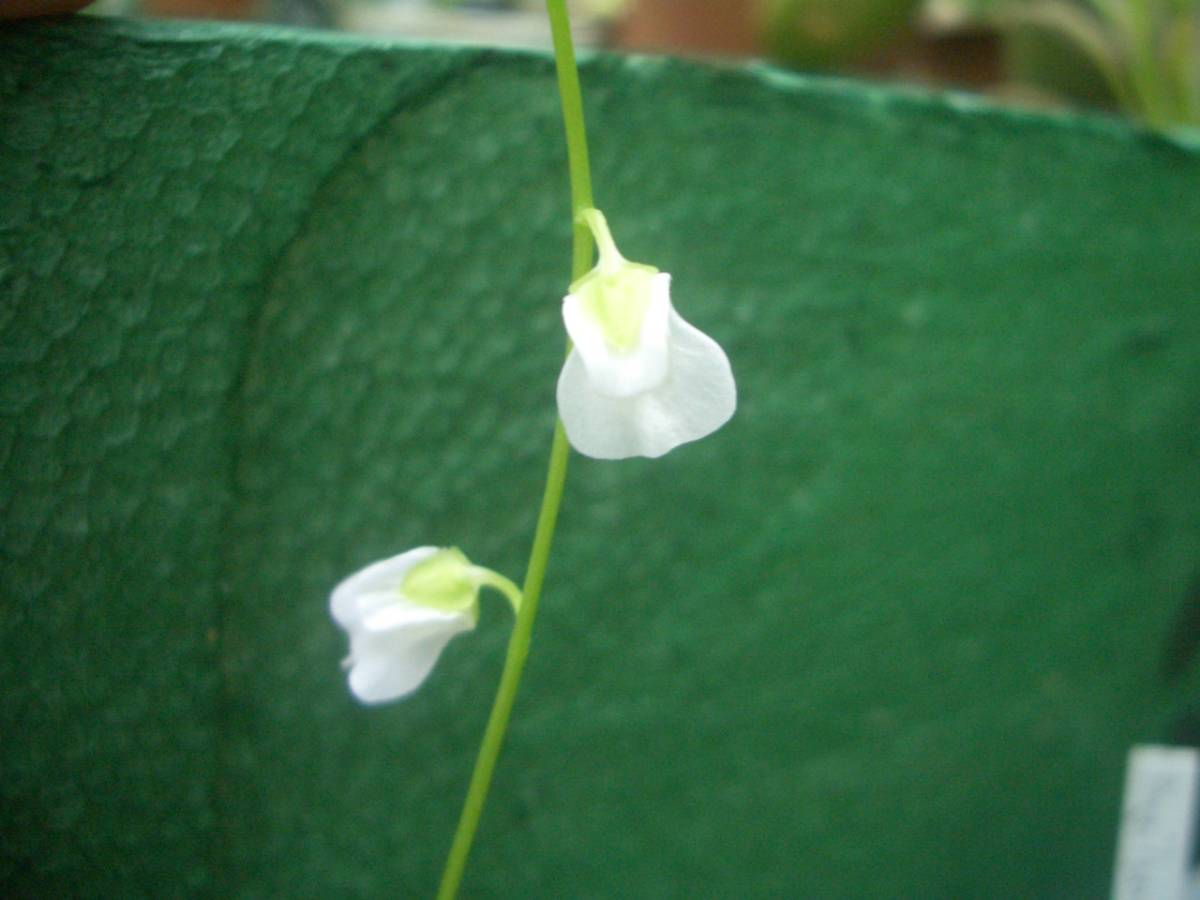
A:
603, 9
1147, 50
828, 33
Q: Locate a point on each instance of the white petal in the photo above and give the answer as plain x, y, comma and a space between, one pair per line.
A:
696, 398
411, 617
616, 373
357, 596
392, 665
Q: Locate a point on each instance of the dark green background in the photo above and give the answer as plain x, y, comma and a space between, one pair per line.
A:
276, 304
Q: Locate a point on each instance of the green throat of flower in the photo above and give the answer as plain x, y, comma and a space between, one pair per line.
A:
617, 292
444, 581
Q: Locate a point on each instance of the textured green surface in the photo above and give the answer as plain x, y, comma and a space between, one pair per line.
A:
274, 305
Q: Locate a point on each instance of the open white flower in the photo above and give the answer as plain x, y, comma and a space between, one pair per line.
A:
401, 612
639, 380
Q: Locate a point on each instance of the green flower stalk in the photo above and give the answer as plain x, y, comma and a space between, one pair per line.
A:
535, 574
638, 381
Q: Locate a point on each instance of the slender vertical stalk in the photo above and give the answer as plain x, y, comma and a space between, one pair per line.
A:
535, 573
514, 665
577, 151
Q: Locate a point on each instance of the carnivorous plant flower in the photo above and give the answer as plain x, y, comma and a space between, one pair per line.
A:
400, 613
640, 380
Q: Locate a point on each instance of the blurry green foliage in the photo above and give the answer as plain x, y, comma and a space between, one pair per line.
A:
827, 33
1147, 51
1144, 55
1052, 65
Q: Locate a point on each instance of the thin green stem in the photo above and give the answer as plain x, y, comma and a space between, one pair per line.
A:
577, 151
510, 679
488, 578
556, 474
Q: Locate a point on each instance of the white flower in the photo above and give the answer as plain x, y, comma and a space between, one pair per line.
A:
400, 614
639, 380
